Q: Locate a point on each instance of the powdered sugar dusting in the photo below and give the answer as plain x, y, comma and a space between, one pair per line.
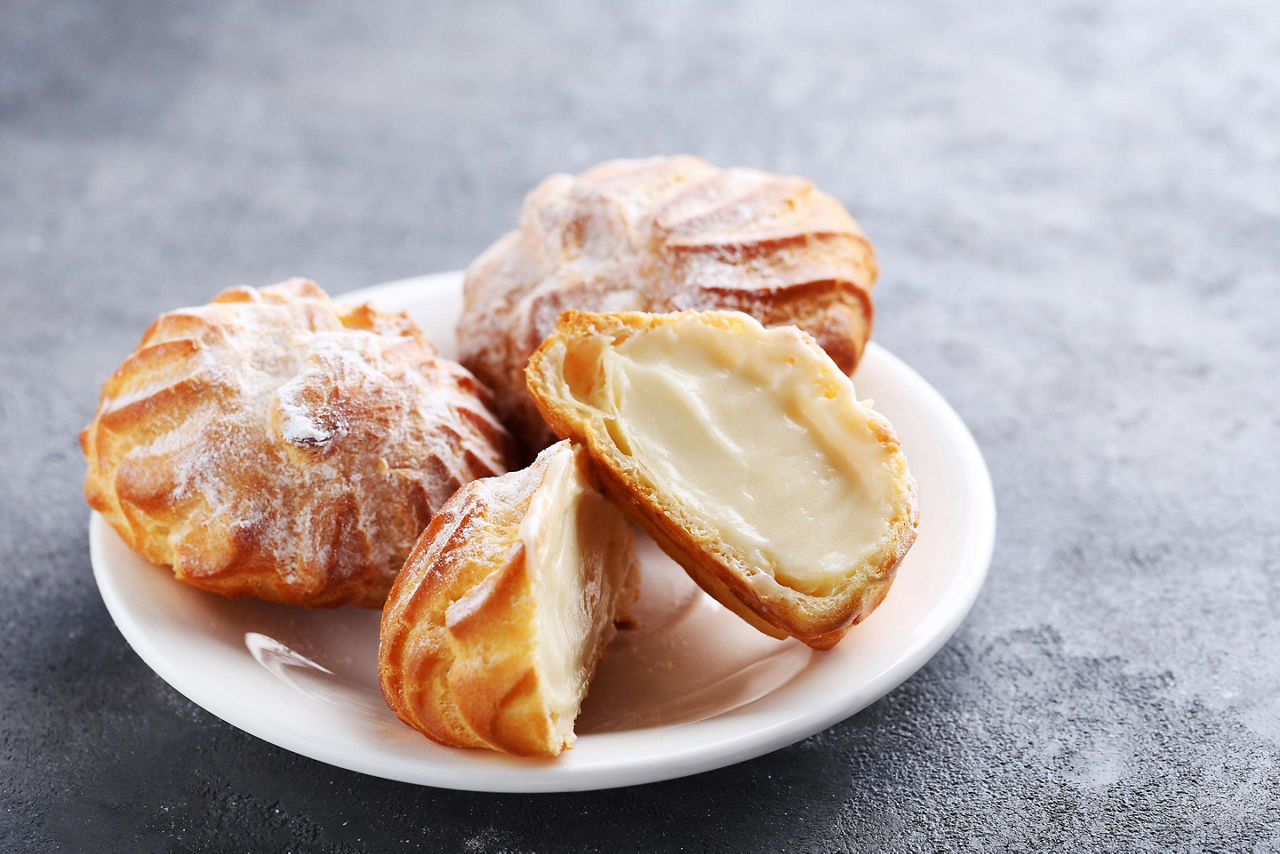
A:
299, 424
300, 429
286, 450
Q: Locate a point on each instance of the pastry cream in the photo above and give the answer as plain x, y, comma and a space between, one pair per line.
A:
576, 547
760, 438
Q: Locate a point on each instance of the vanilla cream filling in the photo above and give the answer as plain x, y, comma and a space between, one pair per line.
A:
758, 436
576, 550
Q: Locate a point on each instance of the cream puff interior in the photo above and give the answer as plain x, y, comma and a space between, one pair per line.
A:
752, 433
578, 552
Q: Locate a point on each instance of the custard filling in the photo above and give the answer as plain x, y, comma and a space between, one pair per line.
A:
758, 436
576, 547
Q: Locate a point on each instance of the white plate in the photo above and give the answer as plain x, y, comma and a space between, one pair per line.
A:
695, 689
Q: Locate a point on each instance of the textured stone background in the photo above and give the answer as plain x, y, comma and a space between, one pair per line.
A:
1077, 208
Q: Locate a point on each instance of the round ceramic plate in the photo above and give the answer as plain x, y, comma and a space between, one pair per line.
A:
694, 689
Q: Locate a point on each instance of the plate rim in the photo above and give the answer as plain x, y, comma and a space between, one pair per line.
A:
971, 569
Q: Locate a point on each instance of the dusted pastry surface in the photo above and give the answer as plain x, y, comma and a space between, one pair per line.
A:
274, 444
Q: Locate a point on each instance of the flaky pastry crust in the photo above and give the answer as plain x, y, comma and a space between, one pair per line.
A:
748, 589
659, 235
272, 444
458, 653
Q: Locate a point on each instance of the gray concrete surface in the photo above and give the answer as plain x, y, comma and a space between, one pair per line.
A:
1077, 208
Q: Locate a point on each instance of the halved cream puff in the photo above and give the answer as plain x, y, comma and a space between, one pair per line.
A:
744, 452
495, 625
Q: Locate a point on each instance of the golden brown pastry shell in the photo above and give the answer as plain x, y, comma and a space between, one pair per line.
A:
466, 676
272, 444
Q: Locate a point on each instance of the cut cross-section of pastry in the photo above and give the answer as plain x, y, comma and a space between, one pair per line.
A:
495, 625
745, 453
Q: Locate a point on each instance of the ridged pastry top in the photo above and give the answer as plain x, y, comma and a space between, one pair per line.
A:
659, 235
271, 444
